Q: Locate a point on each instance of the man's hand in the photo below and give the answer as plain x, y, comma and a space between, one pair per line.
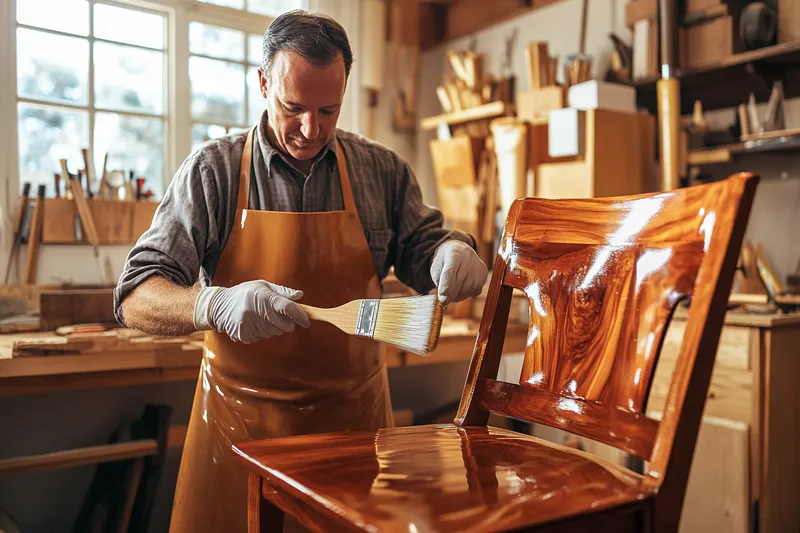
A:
457, 272
252, 311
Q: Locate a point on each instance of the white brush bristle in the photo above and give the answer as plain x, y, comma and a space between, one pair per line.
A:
411, 323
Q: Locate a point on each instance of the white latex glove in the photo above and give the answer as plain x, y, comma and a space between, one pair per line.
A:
250, 311
457, 272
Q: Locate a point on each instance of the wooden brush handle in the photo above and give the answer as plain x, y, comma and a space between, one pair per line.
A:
343, 317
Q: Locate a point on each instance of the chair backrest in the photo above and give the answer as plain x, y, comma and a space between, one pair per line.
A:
603, 277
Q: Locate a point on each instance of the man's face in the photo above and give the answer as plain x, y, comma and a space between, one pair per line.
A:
303, 102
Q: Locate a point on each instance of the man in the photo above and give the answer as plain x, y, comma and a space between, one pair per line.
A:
294, 209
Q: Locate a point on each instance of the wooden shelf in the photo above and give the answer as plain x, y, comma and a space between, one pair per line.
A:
729, 83
726, 153
91, 455
473, 114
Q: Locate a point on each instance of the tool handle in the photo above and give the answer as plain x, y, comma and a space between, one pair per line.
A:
344, 317
23, 203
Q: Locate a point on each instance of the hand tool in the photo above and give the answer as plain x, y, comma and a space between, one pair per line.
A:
21, 210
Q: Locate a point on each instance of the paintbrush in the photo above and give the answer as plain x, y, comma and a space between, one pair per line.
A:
411, 323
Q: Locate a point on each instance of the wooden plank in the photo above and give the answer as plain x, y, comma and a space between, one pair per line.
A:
781, 462
113, 220
116, 221
96, 380
759, 345
473, 114
708, 157
34, 240
62, 308
59, 224
79, 364
90, 455
730, 391
718, 488
143, 213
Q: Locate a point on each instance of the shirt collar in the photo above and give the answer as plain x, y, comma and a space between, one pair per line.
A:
268, 152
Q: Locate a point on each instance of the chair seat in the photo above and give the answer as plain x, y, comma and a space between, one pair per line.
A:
439, 478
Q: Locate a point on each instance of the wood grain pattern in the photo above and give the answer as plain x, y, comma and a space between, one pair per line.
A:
62, 308
630, 432
439, 478
603, 277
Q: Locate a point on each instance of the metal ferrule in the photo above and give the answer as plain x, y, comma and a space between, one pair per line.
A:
367, 317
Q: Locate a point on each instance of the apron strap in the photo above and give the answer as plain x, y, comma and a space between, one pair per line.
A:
244, 172
344, 178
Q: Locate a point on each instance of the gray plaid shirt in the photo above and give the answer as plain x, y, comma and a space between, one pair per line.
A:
192, 224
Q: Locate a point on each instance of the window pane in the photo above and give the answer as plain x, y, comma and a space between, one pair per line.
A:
202, 133
217, 90
132, 143
128, 78
52, 67
214, 41
254, 52
129, 26
236, 4
69, 16
273, 8
255, 102
47, 135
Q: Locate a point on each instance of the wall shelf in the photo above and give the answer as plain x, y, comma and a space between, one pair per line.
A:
725, 154
730, 83
473, 114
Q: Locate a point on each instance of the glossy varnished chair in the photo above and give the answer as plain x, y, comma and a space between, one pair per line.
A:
603, 277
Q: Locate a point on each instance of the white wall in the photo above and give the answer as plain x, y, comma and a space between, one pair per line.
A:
776, 213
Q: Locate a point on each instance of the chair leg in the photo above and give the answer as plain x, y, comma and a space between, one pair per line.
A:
262, 515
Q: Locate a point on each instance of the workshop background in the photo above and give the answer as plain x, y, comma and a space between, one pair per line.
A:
459, 89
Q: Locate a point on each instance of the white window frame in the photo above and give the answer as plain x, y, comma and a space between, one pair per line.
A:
229, 126
90, 108
178, 105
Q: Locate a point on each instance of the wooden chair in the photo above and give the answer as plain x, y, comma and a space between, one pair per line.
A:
603, 277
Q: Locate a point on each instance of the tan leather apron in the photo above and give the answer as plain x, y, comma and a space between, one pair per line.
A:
308, 381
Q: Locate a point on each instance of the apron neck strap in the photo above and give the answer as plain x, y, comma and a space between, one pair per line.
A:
244, 172
344, 178
242, 201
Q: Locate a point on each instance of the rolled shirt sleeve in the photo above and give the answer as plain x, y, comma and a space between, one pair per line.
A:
183, 241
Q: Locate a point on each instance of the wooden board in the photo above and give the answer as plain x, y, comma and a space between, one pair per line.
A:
731, 390
781, 433
116, 221
718, 489
62, 308
143, 213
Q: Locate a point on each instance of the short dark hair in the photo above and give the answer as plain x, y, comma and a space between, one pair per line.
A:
316, 37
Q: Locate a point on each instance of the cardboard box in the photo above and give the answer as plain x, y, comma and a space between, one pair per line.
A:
788, 21
534, 105
455, 164
595, 94
710, 42
618, 159
567, 128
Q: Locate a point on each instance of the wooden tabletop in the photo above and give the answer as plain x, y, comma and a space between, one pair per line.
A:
109, 362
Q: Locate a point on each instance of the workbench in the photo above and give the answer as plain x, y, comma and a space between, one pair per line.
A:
112, 359
166, 360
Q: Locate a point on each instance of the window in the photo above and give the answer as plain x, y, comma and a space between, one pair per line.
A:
223, 74
270, 8
90, 75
